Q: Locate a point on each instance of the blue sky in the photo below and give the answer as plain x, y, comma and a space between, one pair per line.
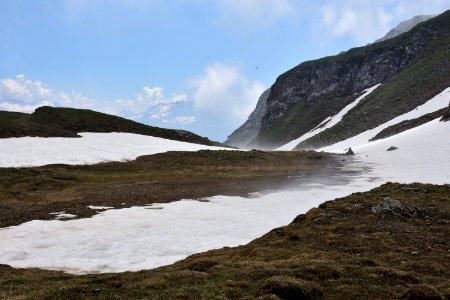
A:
198, 65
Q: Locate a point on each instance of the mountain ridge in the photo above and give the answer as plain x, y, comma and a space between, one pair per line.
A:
413, 67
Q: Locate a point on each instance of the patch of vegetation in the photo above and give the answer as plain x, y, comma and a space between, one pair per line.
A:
408, 124
446, 115
67, 122
341, 250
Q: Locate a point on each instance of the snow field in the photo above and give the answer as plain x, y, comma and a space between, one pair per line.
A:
91, 148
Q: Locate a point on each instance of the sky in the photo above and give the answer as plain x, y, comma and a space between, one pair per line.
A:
198, 65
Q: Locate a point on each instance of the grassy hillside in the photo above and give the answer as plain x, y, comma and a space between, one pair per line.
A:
67, 122
363, 246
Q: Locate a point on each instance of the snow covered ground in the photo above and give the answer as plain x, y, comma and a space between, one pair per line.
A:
423, 153
439, 101
90, 149
146, 237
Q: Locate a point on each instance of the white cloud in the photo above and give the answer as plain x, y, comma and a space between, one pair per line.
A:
366, 20
408, 9
224, 92
254, 12
14, 92
185, 119
26, 108
19, 88
362, 20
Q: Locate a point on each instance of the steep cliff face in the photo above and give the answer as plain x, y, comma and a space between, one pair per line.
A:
405, 26
242, 136
303, 97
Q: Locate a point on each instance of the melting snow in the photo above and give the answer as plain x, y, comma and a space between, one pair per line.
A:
62, 215
99, 207
90, 149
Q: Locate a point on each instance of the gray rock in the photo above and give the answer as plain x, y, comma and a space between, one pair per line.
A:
391, 148
243, 136
390, 206
349, 152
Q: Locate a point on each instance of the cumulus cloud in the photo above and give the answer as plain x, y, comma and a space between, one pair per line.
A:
26, 108
367, 20
224, 92
185, 119
19, 88
254, 12
364, 21
24, 95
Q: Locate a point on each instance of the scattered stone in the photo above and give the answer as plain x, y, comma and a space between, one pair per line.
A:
415, 253
391, 148
349, 152
390, 206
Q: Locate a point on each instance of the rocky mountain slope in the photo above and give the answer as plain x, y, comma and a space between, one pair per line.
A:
67, 122
249, 130
412, 67
405, 26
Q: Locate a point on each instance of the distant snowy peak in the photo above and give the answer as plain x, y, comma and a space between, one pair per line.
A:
405, 26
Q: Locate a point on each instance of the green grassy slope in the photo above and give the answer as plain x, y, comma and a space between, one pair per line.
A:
67, 122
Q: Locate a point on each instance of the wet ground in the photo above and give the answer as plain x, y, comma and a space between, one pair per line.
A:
34, 193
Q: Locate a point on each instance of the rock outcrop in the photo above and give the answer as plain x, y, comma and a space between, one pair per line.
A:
242, 136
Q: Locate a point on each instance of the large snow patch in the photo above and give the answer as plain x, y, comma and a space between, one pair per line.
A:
91, 148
